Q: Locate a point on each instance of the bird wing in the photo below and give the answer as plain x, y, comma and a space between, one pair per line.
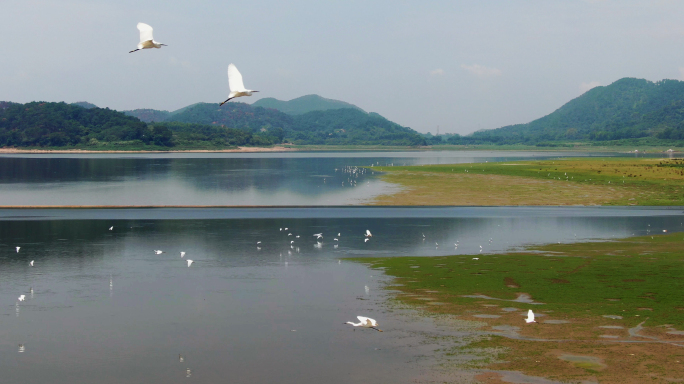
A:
145, 32
235, 79
530, 315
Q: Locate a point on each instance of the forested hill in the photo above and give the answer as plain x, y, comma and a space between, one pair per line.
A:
304, 104
329, 127
628, 108
199, 126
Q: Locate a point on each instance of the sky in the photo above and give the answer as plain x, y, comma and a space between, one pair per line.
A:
453, 66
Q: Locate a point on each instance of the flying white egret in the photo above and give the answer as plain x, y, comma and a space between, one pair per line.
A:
318, 235
111, 228
146, 40
31, 263
530, 317
18, 248
365, 322
158, 251
368, 234
22, 297
182, 254
190, 262
237, 88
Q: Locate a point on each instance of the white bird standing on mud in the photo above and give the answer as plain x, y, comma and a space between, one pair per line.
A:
365, 322
146, 40
530, 317
237, 88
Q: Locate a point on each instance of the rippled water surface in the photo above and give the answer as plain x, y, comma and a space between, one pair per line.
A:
102, 307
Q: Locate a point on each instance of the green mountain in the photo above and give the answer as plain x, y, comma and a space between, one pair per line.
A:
626, 109
303, 104
148, 115
347, 126
198, 126
84, 104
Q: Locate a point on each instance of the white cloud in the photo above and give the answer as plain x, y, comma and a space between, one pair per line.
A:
482, 71
437, 72
587, 86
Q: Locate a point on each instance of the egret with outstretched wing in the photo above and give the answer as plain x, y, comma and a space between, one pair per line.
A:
146, 40
237, 88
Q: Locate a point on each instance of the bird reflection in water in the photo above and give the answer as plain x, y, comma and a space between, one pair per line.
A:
22, 348
188, 373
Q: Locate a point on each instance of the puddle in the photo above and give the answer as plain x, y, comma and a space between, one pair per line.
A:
556, 321
487, 316
609, 336
510, 309
587, 362
614, 317
611, 327
522, 298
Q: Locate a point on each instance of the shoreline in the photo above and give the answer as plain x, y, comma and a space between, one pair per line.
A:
238, 150
592, 337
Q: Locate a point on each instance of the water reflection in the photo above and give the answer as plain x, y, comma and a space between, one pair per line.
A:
234, 311
319, 178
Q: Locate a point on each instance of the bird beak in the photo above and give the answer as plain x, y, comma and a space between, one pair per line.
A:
255, 91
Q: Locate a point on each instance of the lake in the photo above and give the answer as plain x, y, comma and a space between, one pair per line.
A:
101, 304
225, 179
264, 301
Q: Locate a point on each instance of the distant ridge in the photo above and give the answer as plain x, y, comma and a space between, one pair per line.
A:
84, 104
629, 108
304, 104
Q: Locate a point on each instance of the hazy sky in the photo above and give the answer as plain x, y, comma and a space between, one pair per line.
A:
459, 65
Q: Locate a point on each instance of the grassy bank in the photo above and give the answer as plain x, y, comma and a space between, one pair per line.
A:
594, 181
616, 306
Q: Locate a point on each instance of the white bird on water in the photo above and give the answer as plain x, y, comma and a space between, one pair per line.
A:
318, 235
365, 322
31, 263
368, 234
22, 297
190, 262
158, 251
237, 88
18, 248
146, 40
182, 254
111, 228
530, 317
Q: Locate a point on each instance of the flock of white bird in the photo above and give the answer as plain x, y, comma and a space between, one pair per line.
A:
237, 88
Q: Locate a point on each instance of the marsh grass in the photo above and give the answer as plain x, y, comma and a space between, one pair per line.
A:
595, 181
634, 281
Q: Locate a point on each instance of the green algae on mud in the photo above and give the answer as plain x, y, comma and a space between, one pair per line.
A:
595, 181
631, 278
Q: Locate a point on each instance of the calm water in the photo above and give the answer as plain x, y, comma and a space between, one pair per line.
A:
292, 178
241, 314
